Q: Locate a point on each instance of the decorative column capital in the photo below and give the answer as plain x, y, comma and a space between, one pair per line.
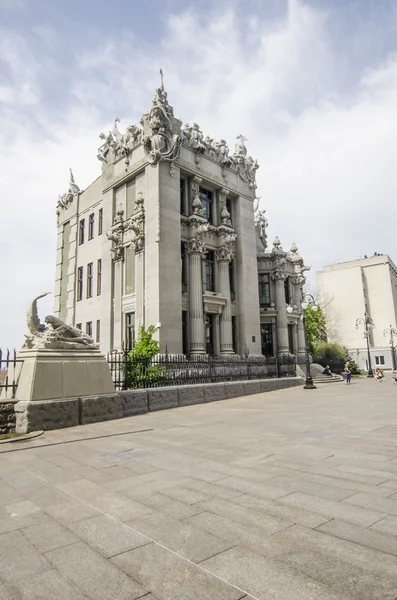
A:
278, 275
224, 254
196, 244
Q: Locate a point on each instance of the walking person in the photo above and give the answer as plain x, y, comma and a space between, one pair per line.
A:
348, 374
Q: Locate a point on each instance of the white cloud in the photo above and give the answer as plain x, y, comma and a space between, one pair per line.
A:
327, 176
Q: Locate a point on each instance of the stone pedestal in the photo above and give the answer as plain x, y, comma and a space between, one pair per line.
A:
48, 374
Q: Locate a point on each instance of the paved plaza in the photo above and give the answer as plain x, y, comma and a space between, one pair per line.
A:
290, 495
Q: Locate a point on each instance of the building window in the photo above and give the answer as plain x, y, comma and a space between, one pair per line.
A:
81, 232
291, 338
264, 289
99, 277
184, 333
98, 331
183, 264
100, 221
380, 360
207, 204
286, 290
89, 279
88, 328
267, 339
91, 226
234, 333
231, 277
130, 330
78, 326
183, 196
80, 283
209, 271
229, 205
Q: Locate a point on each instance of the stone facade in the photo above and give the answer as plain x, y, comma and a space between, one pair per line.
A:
171, 235
350, 289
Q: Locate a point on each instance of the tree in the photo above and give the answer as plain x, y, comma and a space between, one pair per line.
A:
141, 372
315, 327
329, 351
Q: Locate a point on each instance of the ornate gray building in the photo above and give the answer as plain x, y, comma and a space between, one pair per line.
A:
171, 235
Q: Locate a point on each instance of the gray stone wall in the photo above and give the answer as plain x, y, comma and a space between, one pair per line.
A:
69, 412
7, 417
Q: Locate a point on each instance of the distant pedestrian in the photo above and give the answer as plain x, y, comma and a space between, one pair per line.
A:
394, 376
327, 371
348, 373
378, 374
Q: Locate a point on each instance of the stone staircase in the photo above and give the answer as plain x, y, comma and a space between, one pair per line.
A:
327, 379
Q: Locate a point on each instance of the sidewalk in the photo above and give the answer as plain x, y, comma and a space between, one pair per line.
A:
289, 495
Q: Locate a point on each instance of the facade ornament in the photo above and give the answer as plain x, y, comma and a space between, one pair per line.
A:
116, 235
226, 252
137, 226
65, 199
171, 170
161, 130
139, 200
246, 166
57, 335
196, 244
278, 274
117, 144
260, 224
225, 214
196, 202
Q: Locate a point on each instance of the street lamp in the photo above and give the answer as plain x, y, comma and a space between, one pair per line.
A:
306, 300
391, 332
368, 325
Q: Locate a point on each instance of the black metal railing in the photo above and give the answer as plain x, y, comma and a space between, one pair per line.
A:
166, 369
8, 373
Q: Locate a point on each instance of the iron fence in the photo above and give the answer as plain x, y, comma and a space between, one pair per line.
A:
9, 364
166, 369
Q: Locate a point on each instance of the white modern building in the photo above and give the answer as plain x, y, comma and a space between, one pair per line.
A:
350, 290
171, 235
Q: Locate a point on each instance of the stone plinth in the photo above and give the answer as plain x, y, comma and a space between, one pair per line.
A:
48, 374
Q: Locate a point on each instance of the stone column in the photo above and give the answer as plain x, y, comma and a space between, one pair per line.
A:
301, 342
196, 311
282, 322
139, 289
224, 256
137, 224
117, 294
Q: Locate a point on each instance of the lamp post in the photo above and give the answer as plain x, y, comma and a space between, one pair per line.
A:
391, 332
368, 325
306, 300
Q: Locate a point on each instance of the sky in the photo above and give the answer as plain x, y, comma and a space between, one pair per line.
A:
312, 84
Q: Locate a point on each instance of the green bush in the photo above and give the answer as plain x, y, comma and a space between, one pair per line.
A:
329, 351
141, 373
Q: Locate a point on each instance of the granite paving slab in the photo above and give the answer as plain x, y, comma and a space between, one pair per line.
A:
335, 510
170, 577
19, 559
359, 535
107, 536
93, 575
264, 578
49, 585
49, 536
180, 537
